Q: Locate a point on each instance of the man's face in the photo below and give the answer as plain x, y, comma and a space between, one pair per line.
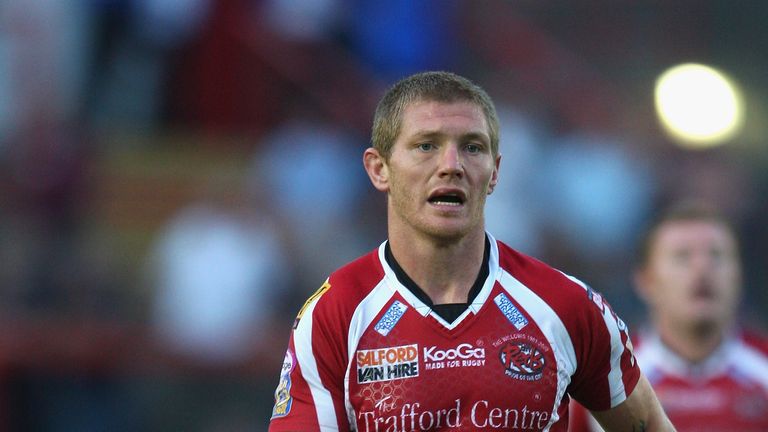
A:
693, 274
440, 170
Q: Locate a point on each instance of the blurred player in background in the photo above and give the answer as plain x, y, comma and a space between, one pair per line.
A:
709, 374
442, 327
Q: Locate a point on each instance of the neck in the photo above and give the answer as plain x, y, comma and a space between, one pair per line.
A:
444, 269
694, 343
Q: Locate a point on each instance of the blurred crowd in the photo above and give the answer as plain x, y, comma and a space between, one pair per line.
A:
177, 176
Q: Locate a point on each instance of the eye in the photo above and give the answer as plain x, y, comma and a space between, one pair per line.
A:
426, 146
718, 256
473, 148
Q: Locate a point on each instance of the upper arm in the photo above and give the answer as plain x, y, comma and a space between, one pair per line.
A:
310, 394
606, 369
640, 412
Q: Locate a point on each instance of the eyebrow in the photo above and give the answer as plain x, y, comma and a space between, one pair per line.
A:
436, 134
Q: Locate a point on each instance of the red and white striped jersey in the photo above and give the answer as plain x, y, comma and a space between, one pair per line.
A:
726, 392
366, 354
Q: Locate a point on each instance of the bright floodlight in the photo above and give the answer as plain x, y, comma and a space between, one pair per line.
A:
698, 105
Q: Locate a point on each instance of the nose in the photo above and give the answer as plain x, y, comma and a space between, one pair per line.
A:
704, 262
450, 162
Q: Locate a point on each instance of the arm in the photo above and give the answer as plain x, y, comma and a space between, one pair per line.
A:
606, 351
310, 394
640, 412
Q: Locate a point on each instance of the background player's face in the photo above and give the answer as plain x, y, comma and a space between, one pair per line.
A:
440, 170
693, 274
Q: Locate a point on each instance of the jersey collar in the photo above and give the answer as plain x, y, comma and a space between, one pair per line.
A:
413, 294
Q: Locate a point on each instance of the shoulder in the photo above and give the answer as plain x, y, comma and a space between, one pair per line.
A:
755, 340
748, 358
563, 293
583, 312
359, 276
752, 358
345, 288
351, 283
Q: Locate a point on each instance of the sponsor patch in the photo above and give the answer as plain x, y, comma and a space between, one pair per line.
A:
522, 360
596, 298
387, 364
463, 355
522, 356
283, 398
510, 311
390, 318
460, 414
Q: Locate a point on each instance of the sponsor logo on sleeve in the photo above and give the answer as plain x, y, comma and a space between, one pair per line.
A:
283, 398
596, 298
390, 318
510, 311
387, 364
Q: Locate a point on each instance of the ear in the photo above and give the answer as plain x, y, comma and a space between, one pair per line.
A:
377, 169
494, 175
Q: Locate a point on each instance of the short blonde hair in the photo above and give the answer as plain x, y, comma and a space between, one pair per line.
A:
438, 86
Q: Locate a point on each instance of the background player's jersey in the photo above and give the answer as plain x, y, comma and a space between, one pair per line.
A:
726, 392
367, 355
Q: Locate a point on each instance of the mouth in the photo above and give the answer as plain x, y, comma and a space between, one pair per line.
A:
447, 197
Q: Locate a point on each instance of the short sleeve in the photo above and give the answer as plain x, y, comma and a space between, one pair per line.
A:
310, 393
607, 371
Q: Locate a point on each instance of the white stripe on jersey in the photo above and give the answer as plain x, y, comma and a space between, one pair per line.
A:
734, 358
362, 318
302, 341
554, 330
751, 363
615, 382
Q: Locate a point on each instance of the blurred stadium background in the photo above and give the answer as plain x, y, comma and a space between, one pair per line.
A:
177, 176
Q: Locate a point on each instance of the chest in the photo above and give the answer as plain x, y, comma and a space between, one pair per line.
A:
496, 370
724, 403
